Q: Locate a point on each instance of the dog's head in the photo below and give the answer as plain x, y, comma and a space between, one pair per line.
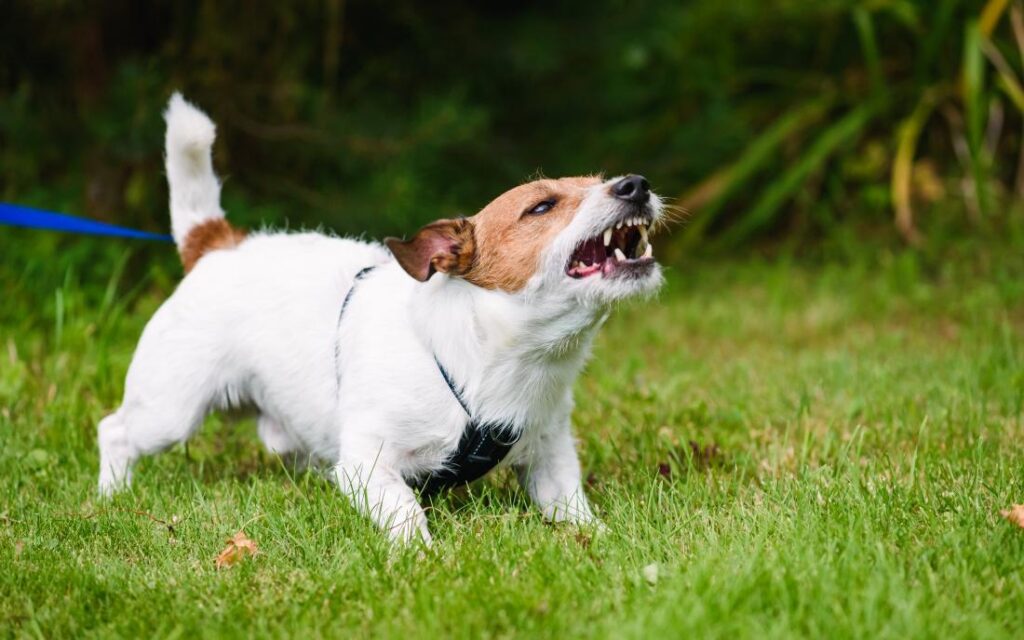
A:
585, 237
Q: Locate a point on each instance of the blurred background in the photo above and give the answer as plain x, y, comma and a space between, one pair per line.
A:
812, 432
803, 126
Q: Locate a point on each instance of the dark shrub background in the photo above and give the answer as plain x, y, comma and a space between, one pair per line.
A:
767, 119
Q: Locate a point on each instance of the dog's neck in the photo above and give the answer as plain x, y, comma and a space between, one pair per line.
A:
516, 355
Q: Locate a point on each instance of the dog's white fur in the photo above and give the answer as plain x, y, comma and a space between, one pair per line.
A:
258, 324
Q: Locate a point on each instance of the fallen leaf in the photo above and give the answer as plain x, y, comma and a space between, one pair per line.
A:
651, 573
1014, 514
238, 547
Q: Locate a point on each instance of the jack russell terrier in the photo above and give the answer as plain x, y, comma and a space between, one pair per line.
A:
412, 367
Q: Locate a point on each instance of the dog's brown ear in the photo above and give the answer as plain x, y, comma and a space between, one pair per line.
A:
446, 246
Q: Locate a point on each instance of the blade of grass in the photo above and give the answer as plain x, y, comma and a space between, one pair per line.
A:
990, 16
961, 148
972, 81
1012, 88
869, 46
974, 111
1017, 23
767, 207
1007, 80
903, 164
937, 33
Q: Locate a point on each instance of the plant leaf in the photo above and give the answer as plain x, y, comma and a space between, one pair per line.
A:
975, 112
839, 133
990, 16
869, 46
1007, 80
903, 164
935, 35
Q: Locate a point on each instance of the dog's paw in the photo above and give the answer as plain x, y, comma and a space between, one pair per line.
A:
409, 534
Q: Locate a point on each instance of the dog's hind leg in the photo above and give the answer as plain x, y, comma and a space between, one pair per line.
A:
167, 394
116, 455
137, 429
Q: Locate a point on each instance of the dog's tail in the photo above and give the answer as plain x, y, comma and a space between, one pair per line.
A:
197, 221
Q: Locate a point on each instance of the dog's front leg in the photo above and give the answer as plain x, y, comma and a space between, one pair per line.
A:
377, 490
551, 475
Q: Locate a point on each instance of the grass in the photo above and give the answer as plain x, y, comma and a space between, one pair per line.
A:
814, 449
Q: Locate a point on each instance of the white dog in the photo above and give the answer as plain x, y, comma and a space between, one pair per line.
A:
420, 365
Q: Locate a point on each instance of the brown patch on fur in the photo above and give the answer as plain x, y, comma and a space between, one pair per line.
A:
447, 246
509, 244
208, 236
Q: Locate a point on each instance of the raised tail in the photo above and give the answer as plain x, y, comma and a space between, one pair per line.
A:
197, 221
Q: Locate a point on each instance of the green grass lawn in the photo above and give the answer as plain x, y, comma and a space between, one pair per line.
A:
816, 449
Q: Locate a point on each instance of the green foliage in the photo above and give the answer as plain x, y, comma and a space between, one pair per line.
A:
370, 117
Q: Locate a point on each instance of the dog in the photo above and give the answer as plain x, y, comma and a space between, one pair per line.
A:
389, 364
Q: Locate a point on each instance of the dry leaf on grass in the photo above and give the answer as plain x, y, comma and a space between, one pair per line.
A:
1014, 514
238, 547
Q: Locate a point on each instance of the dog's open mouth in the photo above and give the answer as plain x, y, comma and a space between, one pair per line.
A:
620, 249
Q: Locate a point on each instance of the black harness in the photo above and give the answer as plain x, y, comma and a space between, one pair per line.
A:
482, 446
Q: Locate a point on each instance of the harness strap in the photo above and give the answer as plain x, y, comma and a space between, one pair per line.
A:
352, 289
482, 446
478, 452
451, 385
341, 314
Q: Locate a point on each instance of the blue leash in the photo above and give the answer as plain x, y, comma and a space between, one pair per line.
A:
18, 216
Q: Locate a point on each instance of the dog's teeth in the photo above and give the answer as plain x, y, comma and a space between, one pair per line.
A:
621, 257
643, 233
619, 225
649, 251
607, 236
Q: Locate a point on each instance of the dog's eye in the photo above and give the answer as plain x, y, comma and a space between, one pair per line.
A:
541, 208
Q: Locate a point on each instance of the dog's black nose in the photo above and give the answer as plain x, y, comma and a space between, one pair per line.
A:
632, 188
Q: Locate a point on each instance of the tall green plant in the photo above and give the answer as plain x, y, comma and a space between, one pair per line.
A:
873, 110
